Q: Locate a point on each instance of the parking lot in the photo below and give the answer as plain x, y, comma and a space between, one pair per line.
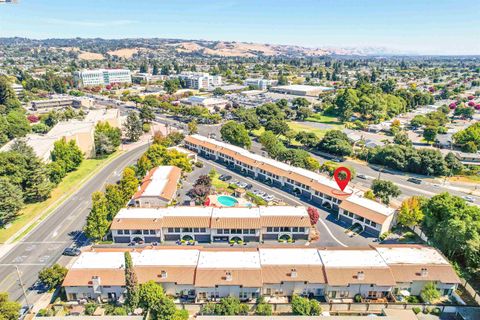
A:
332, 232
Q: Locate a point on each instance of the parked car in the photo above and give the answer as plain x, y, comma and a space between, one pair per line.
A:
362, 176
268, 197
469, 198
248, 186
241, 185
73, 252
225, 177
258, 193
414, 180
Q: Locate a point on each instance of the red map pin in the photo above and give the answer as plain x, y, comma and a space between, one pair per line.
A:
342, 183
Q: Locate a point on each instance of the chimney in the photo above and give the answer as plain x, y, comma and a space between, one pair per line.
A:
293, 273
228, 276
96, 283
423, 272
163, 274
360, 275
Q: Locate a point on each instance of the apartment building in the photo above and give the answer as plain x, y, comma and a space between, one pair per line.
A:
199, 80
158, 187
101, 77
207, 274
350, 208
259, 83
210, 224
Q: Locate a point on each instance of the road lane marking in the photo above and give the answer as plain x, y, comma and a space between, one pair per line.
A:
278, 193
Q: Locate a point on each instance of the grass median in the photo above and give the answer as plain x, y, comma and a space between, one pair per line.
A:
40, 210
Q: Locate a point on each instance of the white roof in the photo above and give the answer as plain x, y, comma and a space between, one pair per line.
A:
187, 211
283, 211
289, 257
71, 127
303, 87
174, 257
351, 258
102, 115
283, 166
140, 213
158, 181
100, 260
411, 255
229, 259
370, 204
239, 212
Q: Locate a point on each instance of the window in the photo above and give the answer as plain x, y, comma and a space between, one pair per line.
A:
146, 232
177, 230
196, 230
126, 231
295, 229
170, 230
226, 231
269, 229
373, 224
301, 229
152, 231
252, 231
276, 229
187, 230
220, 231
119, 231
203, 230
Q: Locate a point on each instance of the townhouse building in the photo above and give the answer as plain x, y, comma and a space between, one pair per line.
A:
208, 274
158, 187
349, 207
199, 80
210, 224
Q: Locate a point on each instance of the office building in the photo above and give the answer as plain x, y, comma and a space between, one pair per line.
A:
199, 80
259, 83
101, 77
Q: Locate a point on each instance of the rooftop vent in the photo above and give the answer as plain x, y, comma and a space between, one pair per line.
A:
423, 272
163, 274
360, 275
228, 276
293, 273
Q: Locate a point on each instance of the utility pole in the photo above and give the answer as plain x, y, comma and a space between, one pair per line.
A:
23, 288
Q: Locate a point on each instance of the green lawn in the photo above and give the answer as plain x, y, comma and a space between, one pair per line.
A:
303, 126
39, 211
317, 117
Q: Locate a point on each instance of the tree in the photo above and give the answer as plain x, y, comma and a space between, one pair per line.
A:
304, 306
171, 85
236, 134
401, 138
133, 126
469, 138
161, 307
150, 294
115, 200
313, 214
146, 114
18, 125
218, 92
201, 189
131, 283
53, 277
277, 126
128, 183
68, 153
9, 310
97, 221
38, 186
192, 127
336, 142
107, 138
11, 201
6, 91
410, 214
308, 139
430, 133
453, 164
430, 292
384, 189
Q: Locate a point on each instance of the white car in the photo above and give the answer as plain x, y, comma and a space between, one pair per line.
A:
268, 197
469, 198
241, 185
258, 193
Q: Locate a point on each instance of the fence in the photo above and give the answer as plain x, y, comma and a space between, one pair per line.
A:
285, 308
474, 294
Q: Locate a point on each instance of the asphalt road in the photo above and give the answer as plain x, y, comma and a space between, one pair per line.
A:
62, 228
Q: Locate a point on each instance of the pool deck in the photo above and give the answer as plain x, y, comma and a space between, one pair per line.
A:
215, 203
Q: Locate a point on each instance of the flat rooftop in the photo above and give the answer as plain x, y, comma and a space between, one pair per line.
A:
100, 260
289, 257
239, 212
170, 257
411, 255
302, 87
370, 204
229, 259
159, 180
139, 213
283, 211
351, 258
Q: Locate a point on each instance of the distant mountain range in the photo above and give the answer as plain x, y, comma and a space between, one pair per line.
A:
127, 47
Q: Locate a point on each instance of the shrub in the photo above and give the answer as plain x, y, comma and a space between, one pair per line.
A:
429, 293
208, 308
416, 310
264, 309
357, 298
90, 308
313, 214
315, 308
413, 299
436, 311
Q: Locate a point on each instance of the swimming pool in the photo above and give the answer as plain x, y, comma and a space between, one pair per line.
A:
227, 201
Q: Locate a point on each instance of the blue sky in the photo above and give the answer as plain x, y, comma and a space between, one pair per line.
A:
421, 26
